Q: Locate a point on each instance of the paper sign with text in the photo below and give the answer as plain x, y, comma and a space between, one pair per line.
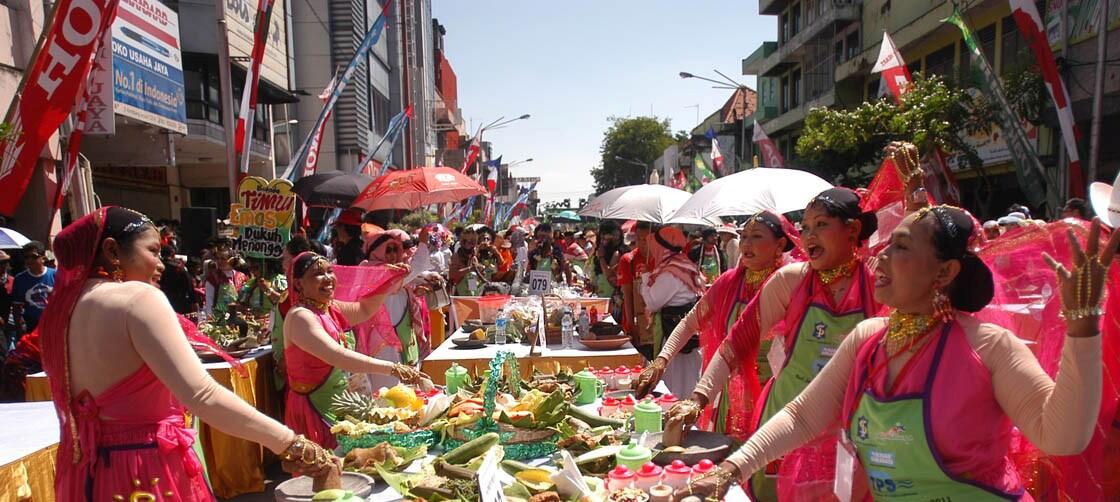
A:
263, 216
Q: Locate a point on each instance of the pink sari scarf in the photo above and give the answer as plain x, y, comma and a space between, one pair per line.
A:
666, 246
417, 304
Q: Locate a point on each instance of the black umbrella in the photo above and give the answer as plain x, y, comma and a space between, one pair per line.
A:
331, 189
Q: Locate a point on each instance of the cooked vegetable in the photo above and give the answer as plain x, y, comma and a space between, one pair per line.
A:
471, 449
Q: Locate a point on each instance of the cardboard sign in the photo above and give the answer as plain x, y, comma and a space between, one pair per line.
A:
540, 282
263, 216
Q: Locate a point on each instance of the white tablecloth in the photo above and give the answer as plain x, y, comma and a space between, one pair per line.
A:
27, 428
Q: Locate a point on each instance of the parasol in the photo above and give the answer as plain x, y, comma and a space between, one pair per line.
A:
417, 187
566, 217
652, 203
10, 239
331, 189
751, 191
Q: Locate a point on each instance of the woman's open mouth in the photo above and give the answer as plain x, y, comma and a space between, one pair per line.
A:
881, 279
815, 252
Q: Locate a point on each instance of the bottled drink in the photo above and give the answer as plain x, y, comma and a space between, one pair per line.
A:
500, 326
584, 322
566, 329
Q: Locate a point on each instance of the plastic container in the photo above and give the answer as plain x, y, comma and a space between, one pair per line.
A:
620, 478
633, 456
647, 477
489, 306
567, 329
702, 467
500, 326
647, 416
667, 401
676, 475
627, 404
607, 376
588, 387
661, 493
455, 377
621, 376
609, 407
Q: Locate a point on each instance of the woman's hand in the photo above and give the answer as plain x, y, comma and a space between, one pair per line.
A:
1081, 288
412, 376
711, 485
649, 377
683, 414
305, 458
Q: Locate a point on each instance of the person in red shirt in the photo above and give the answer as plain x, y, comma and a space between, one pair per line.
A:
630, 268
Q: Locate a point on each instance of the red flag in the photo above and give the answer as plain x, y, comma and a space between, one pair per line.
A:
243, 133
893, 68
50, 90
472, 154
1030, 25
771, 157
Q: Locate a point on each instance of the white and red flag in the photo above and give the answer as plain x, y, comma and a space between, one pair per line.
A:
893, 68
311, 163
771, 157
243, 133
472, 153
1030, 25
50, 90
716, 155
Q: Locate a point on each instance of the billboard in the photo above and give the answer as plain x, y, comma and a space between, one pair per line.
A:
148, 66
240, 19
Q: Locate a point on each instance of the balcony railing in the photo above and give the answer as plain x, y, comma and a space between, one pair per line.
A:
823, 26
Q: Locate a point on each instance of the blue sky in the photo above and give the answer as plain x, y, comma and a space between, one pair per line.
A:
573, 64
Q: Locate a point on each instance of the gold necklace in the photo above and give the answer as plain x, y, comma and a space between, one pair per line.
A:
315, 305
755, 277
835, 274
903, 330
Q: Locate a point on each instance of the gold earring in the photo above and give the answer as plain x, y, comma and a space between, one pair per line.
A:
942, 306
118, 274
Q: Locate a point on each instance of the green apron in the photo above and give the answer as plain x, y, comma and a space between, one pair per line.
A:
464, 286
603, 286
709, 265
410, 351
891, 442
764, 373
818, 336
544, 264
335, 384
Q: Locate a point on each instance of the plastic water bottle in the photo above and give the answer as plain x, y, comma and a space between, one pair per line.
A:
500, 326
566, 329
584, 322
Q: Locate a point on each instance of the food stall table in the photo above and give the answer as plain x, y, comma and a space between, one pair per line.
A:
478, 360
235, 466
29, 442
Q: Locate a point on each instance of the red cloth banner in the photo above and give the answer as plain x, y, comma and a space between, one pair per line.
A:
244, 132
771, 157
50, 90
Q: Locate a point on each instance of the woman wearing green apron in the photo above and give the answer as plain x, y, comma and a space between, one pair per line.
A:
608, 254
927, 399
318, 355
548, 256
808, 309
465, 272
708, 256
765, 237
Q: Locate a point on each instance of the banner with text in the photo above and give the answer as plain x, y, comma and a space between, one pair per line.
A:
263, 216
148, 65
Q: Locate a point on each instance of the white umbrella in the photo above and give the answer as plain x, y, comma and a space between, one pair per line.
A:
652, 203
751, 191
10, 239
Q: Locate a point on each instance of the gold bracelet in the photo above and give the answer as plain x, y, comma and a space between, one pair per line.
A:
1081, 313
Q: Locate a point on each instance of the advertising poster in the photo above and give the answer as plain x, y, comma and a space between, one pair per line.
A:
240, 20
147, 65
263, 216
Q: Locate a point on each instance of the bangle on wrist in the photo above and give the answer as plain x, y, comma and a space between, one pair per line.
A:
1081, 313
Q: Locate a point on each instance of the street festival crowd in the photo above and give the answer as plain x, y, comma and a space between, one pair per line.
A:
780, 329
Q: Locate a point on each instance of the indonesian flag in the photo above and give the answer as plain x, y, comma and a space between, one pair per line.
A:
312, 162
771, 157
492, 168
472, 153
243, 133
717, 157
1030, 25
893, 68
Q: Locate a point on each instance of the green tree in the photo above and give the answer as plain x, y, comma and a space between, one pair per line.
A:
847, 145
630, 145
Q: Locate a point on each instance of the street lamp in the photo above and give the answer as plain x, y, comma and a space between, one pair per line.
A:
519, 162
633, 162
731, 84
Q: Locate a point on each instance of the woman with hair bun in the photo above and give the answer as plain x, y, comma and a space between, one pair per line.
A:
807, 309
926, 398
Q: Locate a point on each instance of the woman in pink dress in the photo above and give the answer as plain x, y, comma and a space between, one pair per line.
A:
318, 348
122, 384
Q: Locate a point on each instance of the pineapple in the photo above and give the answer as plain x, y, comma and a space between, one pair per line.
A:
352, 404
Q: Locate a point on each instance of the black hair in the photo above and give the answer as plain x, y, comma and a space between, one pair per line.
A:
973, 288
1077, 204
304, 262
547, 227
610, 248
354, 231
35, 247
609, 227
379, 217
1019, 208
299, 244
843, 203
643, 225
123, 225
773, 223
707, 232
166, 252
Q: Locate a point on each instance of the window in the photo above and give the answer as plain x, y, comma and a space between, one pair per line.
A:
1014, 52
854, 47
783, 27
987, 38
380, 112
794, 18
873, 88
785, 94
795, 88
203, 99
940, 62
838, 52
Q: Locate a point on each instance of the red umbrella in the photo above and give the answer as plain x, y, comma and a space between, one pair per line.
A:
417, 187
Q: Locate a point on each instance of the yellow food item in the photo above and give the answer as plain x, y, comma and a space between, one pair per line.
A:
534, 476
403, 396
478, 334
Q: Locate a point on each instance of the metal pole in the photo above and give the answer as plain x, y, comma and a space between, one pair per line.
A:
225, 80
1098, 95
1063, 159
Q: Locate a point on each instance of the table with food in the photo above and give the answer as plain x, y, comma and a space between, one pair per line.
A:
574, 433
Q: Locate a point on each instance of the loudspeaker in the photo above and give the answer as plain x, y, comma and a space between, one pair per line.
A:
197, 226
